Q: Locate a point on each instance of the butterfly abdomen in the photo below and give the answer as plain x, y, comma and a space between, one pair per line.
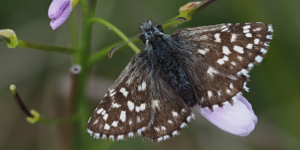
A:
168, 60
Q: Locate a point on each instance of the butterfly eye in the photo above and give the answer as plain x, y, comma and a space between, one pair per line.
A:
159, 27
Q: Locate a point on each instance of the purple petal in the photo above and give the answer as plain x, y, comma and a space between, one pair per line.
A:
59, 12
238, 119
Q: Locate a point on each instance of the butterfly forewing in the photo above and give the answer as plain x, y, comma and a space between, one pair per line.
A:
125, 110
140, 101
227, 47
219, 57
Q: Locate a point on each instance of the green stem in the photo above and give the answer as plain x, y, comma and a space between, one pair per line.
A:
117, 31
45, 47
73, 35
81, 101
84, 6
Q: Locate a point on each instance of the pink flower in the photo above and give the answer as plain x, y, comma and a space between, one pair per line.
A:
238, 119
59, 12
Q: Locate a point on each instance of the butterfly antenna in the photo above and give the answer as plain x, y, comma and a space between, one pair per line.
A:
111, 52
179, 18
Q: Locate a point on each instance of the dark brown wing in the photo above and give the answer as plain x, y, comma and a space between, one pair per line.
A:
218, 58
140, 101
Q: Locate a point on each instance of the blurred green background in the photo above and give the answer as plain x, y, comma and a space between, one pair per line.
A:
43, 79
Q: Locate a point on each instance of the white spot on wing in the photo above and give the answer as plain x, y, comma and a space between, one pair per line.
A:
249, 46
166, 137
103, 112
231, 86
138, 119
249, 35
89, 131
246, 27
157, 129
129, 81
137, 108
160, 139
99, 111
130, 134
226, 50
143, 106
170, 122
257, 29
115, 105
246, 31
217, 36
270, 28
222, 60
233, 63
120, 137
142, 87
256, 41
115, 123
130, 105
240, 58
189, 118
123, 116
106, 127
244, 72
250, 65
175, 133
203, 51
233, 37
155, 104
228, 91
105, 117
211, 71
97, 135
96, 121
225, 29
112, 93
209, 93
258, 59
239, 49
175, 114
124, 92
183, 125
245, 87
269, 37
264, 51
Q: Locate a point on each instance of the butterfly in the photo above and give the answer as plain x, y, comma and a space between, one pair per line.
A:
205, 66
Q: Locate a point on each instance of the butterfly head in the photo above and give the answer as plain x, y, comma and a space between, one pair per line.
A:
150, 30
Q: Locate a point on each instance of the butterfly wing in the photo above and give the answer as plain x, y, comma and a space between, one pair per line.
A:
140, 101
217, 58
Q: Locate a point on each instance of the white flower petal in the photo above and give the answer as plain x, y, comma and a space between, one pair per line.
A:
238, 119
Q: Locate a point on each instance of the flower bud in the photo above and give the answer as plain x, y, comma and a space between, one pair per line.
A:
9, 36
59, 11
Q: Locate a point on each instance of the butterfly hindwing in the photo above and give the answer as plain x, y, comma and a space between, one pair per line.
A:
218, 58
169, 112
